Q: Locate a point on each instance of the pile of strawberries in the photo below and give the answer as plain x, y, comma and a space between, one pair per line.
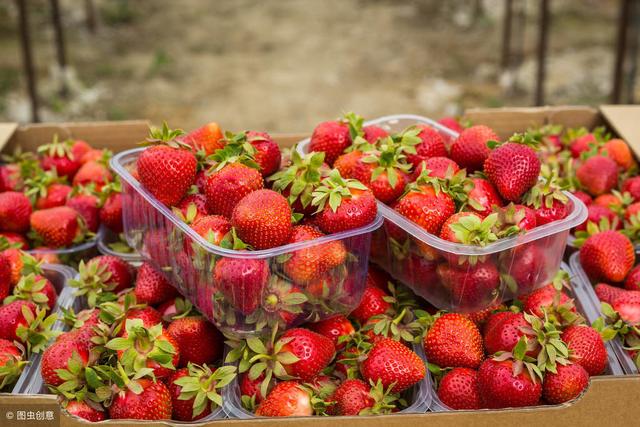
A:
537, 351
238, 191
58, 197
27, 299
137, 351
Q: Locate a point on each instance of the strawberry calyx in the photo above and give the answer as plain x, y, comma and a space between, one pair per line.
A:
204, 385
281, 300
5, 244
545, 193
592, 228
508, 220
385, 401
612, 324
355, 123
528, 138
237, 149
166, 136
11, 369
407, 140
333, 189
301, 178
187, 217
456, 185
473, 230
30, 288
404, 327
552, 349
94, 282
37, 186
388, 159
183, 309
37, 333
58, 148
521, 360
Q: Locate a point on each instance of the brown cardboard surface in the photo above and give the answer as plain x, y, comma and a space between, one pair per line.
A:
625, 120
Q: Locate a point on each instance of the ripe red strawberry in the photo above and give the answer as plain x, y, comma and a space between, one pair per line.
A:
586, 348
212, 227
343, 204
632, 186
526, 266
519, 215
632, 211
225, 188
35, 288
5, 276
470, 285
607, 293
251, 388
383, 172
149, 316
500, 388
546, 298
63, 156
470, 150
459, 389
307, 264
92, 154
242, 282
346, 163
439, 167
93, 172
627, 305
207, 137
454, 341
504, 334
566, 384
431, 145
152, 287
57, 357
513, 168
15, 238
11, 318
596, 213
82, 410
598, 175
581, 144
167, 170
608, 256
58, 227
351, 397
426, 207
608, 200
468, 228
152, 403
390, 362
54, 195
372, 304
262, 219
373, 133
10, 362
111, 213
102, 274
195, 391
199, 341
314, 352
87, 206
483, 197
331, 138
583, 197
546, 214
452, 123
193, 207
287, 399
267, 154
15, 210
335, 328
632, 282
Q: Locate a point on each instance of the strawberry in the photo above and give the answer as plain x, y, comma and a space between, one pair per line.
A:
583, 197
251, 388
5, 276
62, 157
377, 277
526, 266
373, 302
150, 401
12, 318
242, 282
598, 175
504, 334
609, 200
513, 167
338, 328
199, 341
483, 197
309, 263
470, 149
207, 137
111, 213
267, 153
81, 409
632, 211
287, 399
619, 151
331, 138
431, 145
596, 213
52, 196
521, 216
58, 227
167, 170
608, 256
313, 352
586, 348
346, 163
93, 172
632, 186
581, 144
452, 123
607, 293
212, 227
459, 389
470, 285
11, 363
351, 397
262, 219
373, 133
152, 287
632, 282
343, 204
149, 316
627, 305
567, 383
438, 167
192, 207
383, 172
393, 364
426, 207
545, 300
501, 386
15, 210
469, 228
99, 275
15, 239
195, 391
92, 154
59, 356
35, 288
87, 206
556, 211
227, 186
454, 341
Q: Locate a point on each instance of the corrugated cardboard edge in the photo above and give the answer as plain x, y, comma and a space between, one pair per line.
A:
625, 121
6, 132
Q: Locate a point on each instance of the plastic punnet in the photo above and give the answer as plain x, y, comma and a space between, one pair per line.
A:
108, 237
261, 296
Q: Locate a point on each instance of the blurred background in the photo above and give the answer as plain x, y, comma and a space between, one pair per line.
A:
284, 65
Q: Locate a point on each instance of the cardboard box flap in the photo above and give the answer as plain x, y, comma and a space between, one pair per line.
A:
625, 121
6, 132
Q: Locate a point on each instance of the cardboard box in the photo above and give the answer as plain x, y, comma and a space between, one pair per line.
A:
608, 399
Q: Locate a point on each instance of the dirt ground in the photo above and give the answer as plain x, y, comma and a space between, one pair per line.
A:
284, 65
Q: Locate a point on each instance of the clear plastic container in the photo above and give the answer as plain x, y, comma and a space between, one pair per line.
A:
418, 397
585, 308
434, 268
108, 237
240, 307
58, 275
74, 254
584, 291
